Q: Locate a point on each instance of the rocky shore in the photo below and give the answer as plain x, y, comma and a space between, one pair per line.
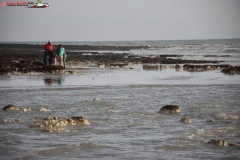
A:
27, 59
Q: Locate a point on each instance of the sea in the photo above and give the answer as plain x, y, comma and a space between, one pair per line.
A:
125, 123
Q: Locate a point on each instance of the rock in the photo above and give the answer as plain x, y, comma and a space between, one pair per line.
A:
26, 109
5, 121
210, 120
80, 120
57, 124
233, 71
45, 110
51, 124
152, 67
177, 67
170, 109
120, 65
101, 65
10, 107
230, 70
238, 68
18, 120
194, 68
96, 99
111, 111
186, 120
218, 142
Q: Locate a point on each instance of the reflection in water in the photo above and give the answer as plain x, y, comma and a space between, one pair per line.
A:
51, 81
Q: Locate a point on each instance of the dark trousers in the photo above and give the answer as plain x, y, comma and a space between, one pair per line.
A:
45, 58
51, 56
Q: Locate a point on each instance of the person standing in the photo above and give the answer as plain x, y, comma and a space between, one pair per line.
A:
49, 49
60, 52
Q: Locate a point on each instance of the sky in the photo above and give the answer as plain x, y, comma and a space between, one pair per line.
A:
121, 20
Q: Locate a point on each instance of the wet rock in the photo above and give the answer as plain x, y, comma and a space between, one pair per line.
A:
218, 142
177, 67
186, 120
26, 109
170, 55
10, 107
111, 111
156, 67
18, 120
170, 109
194, 68
101, 65
238, 68
45, 109
51, 124
96, 100
150, 67
210, 120
230, 70
73, 72
57, 124
80, 120
120, 65
210, 56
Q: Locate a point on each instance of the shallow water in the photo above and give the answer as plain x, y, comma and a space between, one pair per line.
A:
106, 76
133, 129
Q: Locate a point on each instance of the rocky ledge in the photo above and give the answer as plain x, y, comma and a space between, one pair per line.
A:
27, 59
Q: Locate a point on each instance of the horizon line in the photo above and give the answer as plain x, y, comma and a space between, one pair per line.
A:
125, 40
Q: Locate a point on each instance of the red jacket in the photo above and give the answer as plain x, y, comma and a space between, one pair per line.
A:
48, 47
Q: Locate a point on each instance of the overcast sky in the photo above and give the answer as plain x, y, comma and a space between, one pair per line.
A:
119, 20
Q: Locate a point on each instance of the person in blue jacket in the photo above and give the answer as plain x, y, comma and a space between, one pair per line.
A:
60, 52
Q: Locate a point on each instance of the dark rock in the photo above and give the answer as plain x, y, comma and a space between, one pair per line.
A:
185, 119
177, 66
230, 70
10, 107
170, 108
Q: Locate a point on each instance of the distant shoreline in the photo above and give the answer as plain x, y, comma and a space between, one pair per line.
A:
37, 47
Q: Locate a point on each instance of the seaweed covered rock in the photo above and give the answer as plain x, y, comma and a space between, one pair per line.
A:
170, 109
10, 107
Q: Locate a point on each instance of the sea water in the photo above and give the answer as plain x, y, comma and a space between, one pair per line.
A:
125, 123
